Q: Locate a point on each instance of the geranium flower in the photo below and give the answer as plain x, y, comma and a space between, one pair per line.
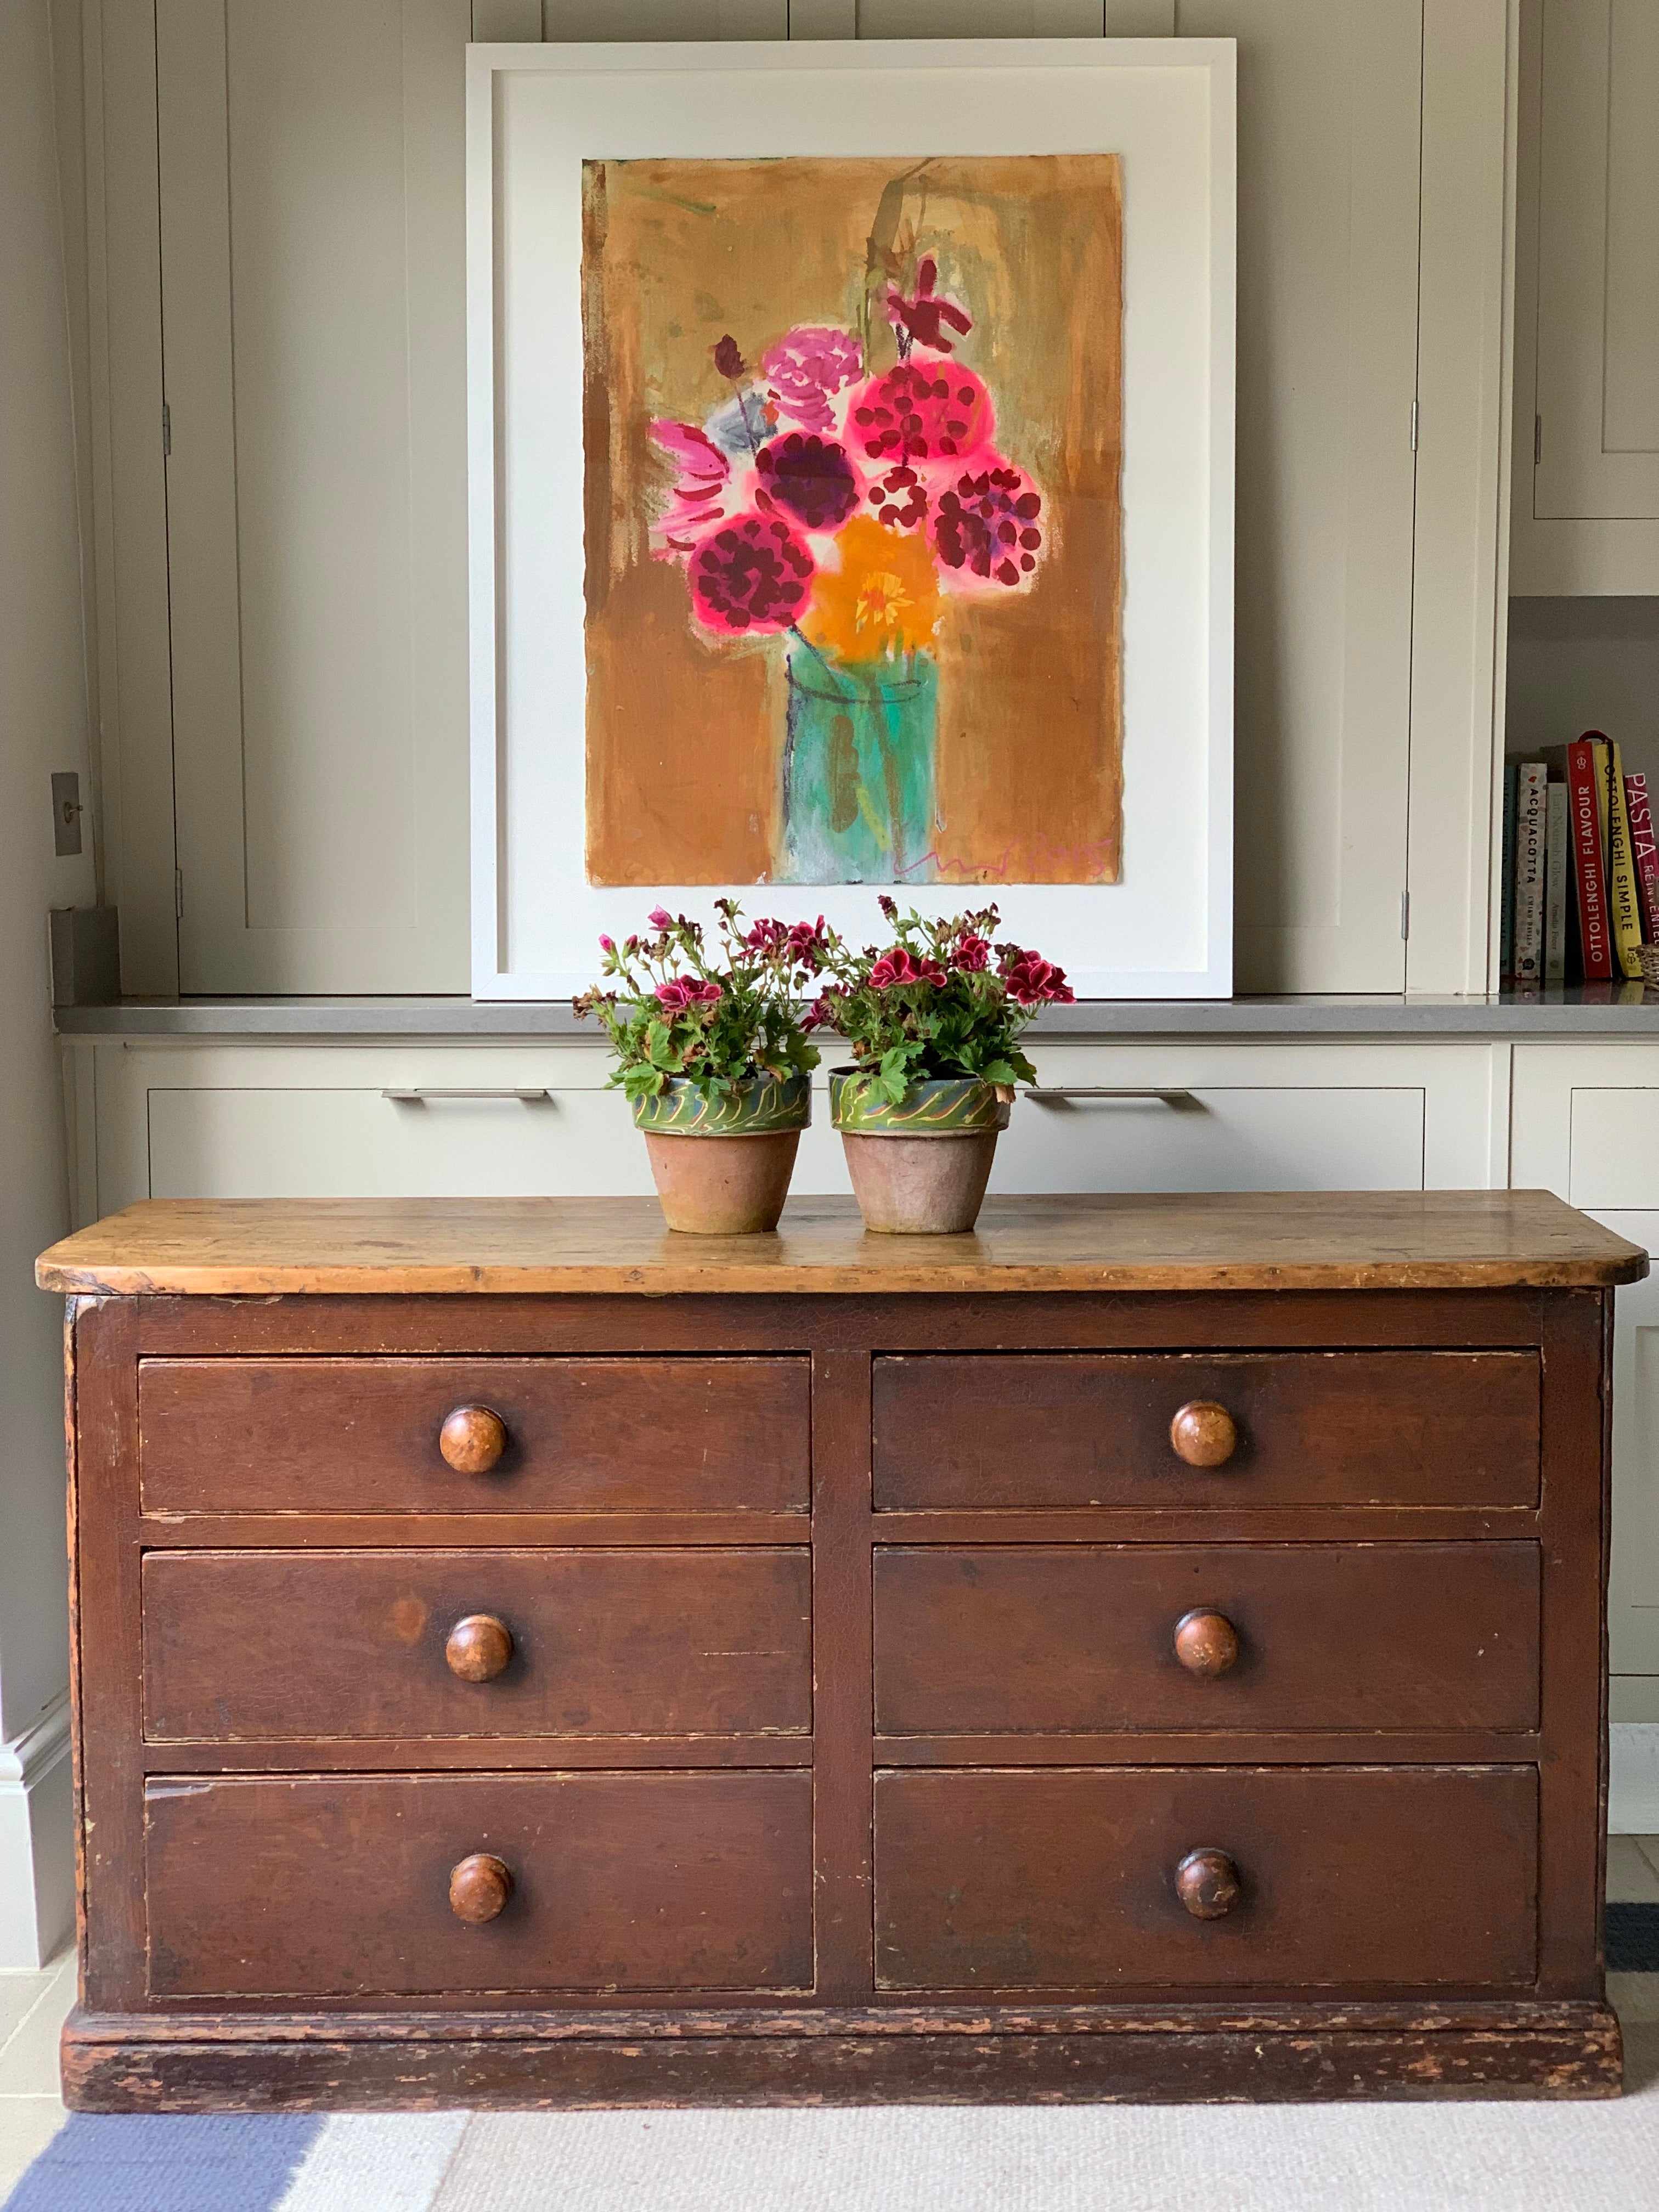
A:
660, 918
806, 944
1032, 980
882, 600
899, 967
766, 937
750, 575
813, 476
805, 370
820, 1015
971, 953
922, 411
682, 991
702, 486
921, 317
986, 523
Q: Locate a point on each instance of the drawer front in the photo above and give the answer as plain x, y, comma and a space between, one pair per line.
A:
267, 1646
1033, 1640
1365, 1876
1340, 1428
583, 1436
340, 1887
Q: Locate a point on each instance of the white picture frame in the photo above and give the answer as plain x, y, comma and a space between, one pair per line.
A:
534, 114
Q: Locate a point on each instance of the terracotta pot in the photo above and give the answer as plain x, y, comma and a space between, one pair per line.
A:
722, 1185
919, 1168
919, 1186
722, 1166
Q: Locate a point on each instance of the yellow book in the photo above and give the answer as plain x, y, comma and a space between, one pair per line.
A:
1621, 872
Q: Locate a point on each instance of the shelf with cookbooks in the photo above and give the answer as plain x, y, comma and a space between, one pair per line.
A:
1580, 894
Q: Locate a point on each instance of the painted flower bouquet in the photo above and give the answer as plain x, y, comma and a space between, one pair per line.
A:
713, 1044
934, 1020
835, 506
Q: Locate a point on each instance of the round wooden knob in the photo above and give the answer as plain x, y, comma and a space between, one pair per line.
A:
479, 1648
1205, 1643
1203, 1434
472, 1439
1207, 1882
479, 1888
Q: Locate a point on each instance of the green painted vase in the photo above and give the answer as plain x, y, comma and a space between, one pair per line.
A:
858, 772
941, 1106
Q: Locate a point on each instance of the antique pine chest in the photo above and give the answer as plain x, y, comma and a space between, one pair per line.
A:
1149, 1648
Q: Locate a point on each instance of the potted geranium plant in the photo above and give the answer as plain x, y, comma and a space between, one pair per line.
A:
711, 1053
933, 1019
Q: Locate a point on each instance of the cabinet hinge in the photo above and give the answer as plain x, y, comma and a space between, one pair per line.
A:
1405, 916
166, 431
1414, 426
177, 894
1537, 439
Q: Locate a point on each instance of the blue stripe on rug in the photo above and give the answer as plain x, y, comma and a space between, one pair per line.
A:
1633, 1939
122, 2162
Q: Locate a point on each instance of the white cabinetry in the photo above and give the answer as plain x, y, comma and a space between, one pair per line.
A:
1586, 1125
1586, 506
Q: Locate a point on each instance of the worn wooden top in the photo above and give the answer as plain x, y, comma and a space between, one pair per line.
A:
1247, 1240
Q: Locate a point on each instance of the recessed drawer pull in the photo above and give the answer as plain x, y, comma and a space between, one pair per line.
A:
479, 1887
1062, 1094
472, 1439
1205, 1643
480, 1648
1207, 1882
420, 1093
1204, 1434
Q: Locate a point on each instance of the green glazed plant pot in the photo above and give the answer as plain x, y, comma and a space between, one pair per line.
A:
722, 1165
919, 1168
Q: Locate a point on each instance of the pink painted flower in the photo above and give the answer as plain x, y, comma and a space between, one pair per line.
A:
1032, 980
987, 525
749, 575
921, 318
806, 369
899, 499
702, 487
813, 476
921, 412
899, 967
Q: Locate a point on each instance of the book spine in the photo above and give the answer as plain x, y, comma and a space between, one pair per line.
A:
1621, 872
1598, 744
1506, 899
1644, 852
1529, 872
1558, 883
1589, 890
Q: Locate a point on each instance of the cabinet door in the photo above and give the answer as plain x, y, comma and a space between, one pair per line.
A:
312, 279
1598, 273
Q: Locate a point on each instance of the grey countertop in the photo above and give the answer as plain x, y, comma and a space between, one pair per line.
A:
1585, 1011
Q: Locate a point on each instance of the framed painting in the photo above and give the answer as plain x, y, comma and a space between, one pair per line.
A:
851, 481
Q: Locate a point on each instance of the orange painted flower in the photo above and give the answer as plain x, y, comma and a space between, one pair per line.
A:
882, 599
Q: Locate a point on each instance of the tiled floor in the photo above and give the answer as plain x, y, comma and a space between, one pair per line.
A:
32, 2007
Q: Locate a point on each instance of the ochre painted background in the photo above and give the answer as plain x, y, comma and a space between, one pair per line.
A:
685, 732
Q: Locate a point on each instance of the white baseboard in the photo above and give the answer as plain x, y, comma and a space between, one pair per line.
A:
37, 1840
1633, 1778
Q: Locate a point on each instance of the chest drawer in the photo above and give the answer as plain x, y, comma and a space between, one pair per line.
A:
1033, 1638
1300, 1428
574, 1435
252, 1646
1363, 1876
339, 1886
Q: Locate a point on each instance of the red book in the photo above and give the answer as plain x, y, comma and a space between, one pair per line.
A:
1589, 881
1644, 850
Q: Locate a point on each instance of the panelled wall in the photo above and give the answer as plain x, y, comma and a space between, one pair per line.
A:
276, 260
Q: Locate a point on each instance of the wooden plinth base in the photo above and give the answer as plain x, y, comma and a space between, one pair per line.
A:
1197, 2055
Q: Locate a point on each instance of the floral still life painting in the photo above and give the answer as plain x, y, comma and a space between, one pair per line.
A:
852, 533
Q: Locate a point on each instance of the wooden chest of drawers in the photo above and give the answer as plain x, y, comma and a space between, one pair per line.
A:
1148, 1648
